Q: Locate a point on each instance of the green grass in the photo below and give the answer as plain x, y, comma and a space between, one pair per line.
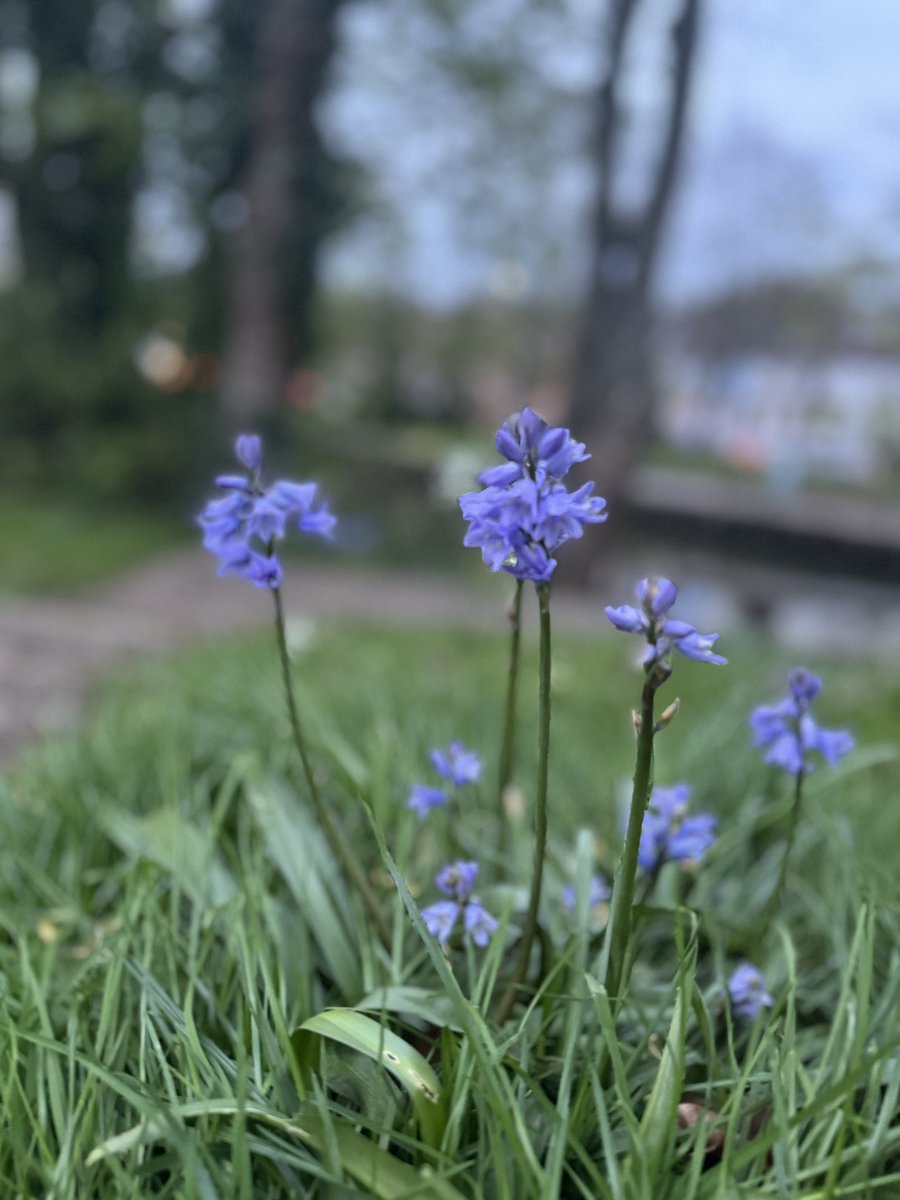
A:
174, 930
51, 546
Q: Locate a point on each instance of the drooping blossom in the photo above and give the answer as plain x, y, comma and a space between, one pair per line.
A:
241, 526
747, 990
457, 765
457, 880
662, 632
422, 799
668, 834
524, 513
790, 734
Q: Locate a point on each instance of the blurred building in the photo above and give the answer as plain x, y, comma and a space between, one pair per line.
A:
790, 417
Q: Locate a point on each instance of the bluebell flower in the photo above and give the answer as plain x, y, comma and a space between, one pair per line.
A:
241, 526
747, 990
440, 919
791, 734
457, 764
524, 513
478, 922
534, 450
598, 893
422, 799
662, 632
457, 880
668, 834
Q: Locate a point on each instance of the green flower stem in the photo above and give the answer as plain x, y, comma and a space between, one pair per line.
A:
774, 900
340, 847
620, 915
529, 929
507, 746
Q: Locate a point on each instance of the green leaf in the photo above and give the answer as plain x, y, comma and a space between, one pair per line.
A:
434, 1007
657, 1128
409, 1068
385, 1176
298, 850
166, 838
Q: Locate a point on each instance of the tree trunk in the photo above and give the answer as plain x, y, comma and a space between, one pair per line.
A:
295, 42
612, 389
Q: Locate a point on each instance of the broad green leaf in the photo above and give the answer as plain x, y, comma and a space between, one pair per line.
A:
428, 1005
361, 1033
299, 852
173, 843
657, 1128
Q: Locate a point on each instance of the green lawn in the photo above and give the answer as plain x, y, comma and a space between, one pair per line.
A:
51, 546
171, 917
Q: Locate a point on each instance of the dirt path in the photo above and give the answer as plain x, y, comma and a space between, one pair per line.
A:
53, 650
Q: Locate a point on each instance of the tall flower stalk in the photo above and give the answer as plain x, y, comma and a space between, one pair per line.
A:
241, 528
340, 847
506, 764
529, 928
663, 634
522, 515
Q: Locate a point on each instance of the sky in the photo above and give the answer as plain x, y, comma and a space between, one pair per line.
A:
790, 160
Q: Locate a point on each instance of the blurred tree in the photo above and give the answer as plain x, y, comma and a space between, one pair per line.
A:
289, 184
70, 138
169, 179
612, 388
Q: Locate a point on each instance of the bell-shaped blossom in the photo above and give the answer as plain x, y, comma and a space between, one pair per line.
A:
663, 633
669, 834
524, 513
422, 799
242, 526
457, 764
747, 990
457, 880
790, 734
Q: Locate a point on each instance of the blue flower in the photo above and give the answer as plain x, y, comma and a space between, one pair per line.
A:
422, 799
747, 990
440, 918
241, 527
457, 764
790, 733
523, 514
662, 632
534, 449
668, 834
457, 880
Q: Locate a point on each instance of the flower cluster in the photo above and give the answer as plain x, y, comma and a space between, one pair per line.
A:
790, 733
662, 632
457, 880
524, 513
747, 990
242, 526
668, 834
455, 764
